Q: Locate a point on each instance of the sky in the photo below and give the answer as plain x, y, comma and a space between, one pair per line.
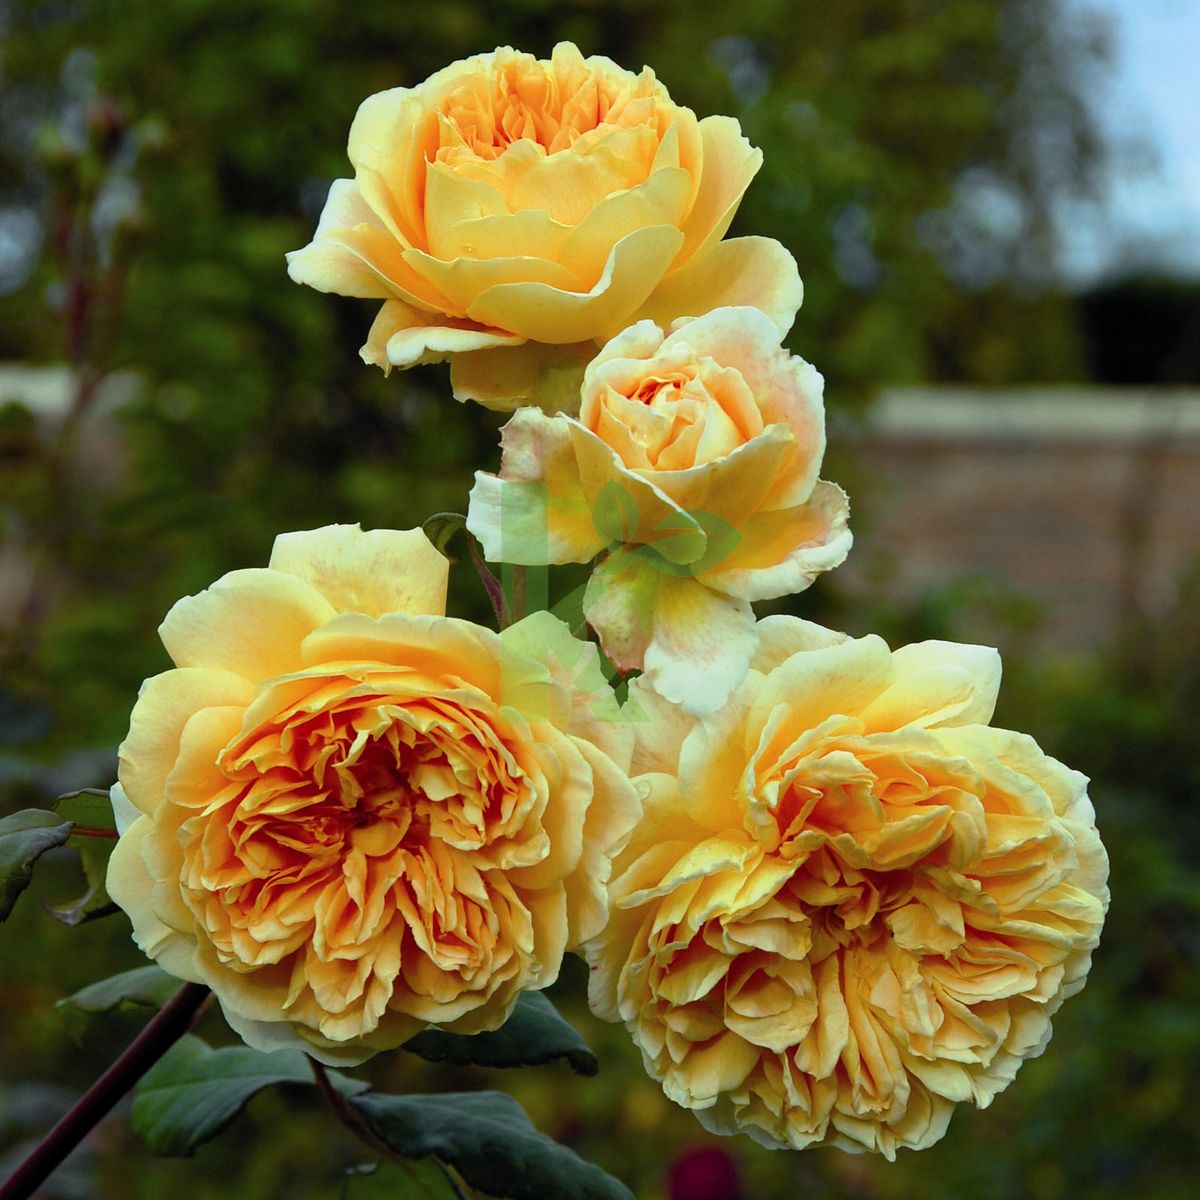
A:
1151, 94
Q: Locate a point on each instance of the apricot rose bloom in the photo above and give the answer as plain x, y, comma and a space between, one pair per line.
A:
355, 816
851, 904
512, 212
694, 461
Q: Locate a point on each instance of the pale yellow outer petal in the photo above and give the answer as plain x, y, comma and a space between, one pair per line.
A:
756, 272
938, 683
506, 377
544, 311
376, 572
165, 705
130, 885
250, 622
402, 336
549, 674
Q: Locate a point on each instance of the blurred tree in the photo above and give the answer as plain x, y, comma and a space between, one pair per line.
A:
915, 153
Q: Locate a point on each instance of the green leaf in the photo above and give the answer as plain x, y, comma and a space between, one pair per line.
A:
534, 1034
24, 838
423, 1180
194, 1091
93, 834
142, 988
489, 1140
441, 529
91, 811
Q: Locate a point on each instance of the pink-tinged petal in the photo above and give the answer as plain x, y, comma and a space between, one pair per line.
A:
660, 728
754, 272
786, 389
402, 336
938, 683
782, 552
249, 622
693, 644
733, 487
509, 377
376, 572
729, 163
165, 705
544, 311
535, 511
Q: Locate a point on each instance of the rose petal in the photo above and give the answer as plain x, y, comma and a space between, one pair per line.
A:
376, 572
755, 272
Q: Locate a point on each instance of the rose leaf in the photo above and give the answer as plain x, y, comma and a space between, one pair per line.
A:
24, 837
143, 988
533, 1035
194, 1091
93, 834
487, 1138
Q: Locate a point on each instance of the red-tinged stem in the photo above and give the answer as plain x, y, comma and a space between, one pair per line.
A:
172, 1021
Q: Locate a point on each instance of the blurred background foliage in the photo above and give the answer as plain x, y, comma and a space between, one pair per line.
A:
157, 160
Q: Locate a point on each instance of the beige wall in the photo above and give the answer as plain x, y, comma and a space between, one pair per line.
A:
1088, 502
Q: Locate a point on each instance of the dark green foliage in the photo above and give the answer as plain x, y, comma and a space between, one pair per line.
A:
489, 1140
533, 1035
24, 838
193, 1091
143, 989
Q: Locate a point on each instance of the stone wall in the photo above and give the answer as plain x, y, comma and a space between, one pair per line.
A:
1085, 501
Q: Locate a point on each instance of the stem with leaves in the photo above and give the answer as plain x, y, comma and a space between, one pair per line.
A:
171, 1022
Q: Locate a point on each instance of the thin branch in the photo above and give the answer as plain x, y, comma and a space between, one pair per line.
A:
171, 1022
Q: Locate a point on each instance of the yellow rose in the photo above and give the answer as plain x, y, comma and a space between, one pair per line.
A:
354, 816
694, 461
511, 212
851, 903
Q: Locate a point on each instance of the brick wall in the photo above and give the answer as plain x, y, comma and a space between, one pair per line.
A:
1087, 502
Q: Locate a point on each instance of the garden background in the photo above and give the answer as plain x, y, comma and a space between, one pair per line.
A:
169, 401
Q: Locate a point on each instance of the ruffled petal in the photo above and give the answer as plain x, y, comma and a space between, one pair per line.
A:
376, 572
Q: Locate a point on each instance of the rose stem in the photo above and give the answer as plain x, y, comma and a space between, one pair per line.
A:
350, 1117
519, 577
345, 1113
491, 584
167, 1026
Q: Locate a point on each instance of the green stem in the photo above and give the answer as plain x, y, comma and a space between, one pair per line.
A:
171, 1022
518, 593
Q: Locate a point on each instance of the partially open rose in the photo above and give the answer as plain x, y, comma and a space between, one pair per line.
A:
512, 212
694, 462
356, 816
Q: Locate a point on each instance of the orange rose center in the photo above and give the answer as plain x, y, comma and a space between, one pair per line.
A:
343, 810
